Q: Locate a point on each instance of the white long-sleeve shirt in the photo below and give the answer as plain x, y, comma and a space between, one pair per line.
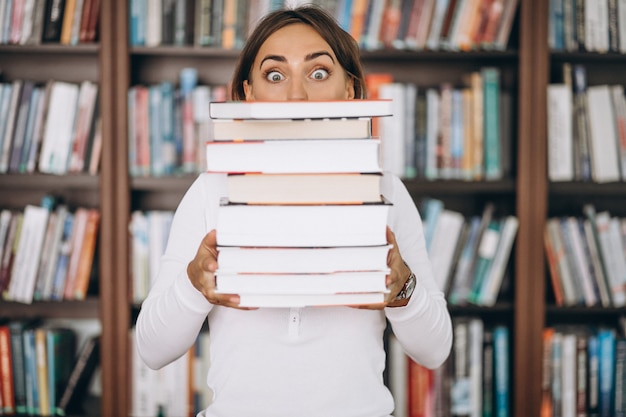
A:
318, 361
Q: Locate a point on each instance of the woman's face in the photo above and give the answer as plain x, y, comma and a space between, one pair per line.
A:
296, 63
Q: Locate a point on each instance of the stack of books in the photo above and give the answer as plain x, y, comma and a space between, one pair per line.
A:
304, 221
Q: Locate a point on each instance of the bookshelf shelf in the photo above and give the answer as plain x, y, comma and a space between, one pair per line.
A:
88, 309
43, 181
89, 49
444, 187
588, 189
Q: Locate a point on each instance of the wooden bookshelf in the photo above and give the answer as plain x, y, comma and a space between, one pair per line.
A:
116, 66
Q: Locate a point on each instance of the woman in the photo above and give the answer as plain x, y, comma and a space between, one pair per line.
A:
287, 362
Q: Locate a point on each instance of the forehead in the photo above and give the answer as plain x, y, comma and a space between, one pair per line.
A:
297, 38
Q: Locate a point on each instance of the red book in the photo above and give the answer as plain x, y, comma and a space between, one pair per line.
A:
6, 371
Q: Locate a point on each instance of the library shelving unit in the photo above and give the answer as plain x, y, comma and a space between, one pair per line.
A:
523, 193
568, 198
77, 63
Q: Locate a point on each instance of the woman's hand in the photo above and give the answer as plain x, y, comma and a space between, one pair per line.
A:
398, 274
201, 273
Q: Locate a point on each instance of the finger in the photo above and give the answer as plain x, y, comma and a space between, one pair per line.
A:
228, 300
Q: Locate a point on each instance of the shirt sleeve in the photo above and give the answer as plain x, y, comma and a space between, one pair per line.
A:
174, 311
423, 327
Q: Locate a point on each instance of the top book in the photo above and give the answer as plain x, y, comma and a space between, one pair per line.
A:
333, 109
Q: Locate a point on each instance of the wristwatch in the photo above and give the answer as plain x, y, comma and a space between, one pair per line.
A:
406, 291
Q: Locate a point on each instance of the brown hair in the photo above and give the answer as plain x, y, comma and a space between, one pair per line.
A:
343, 45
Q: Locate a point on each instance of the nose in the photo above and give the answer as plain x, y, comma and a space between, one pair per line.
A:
297, 90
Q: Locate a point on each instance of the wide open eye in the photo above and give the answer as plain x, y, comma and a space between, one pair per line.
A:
274, 76
319, 74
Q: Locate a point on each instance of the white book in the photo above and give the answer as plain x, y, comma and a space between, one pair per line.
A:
613, 258
159, 222
153, 22
22, 285
331, 109
302, 225
311, 283
597, 25
621, 25
603, 143
443, 246
309, 300
139, 258
236, 259
392, 129
560, 133
568, 375
226, 129
475, 333
59, 128
493, 281
289, 156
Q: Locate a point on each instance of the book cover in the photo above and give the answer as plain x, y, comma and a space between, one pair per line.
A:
502, 362
301, 284
357, 128
491, 112
307, 300
302, 260
61, 353
493, 280
350, 188
606, 372
7, 387
300, 109
560, 133
78, 381
28, 253
86, 255
603, 138
59, 128
289, 156
302, 225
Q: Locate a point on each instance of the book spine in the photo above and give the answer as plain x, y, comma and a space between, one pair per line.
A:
6, 371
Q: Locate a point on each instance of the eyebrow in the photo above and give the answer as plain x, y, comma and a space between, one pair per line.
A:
308, 57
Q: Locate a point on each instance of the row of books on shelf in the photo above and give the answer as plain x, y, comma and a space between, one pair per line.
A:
33, 22
168, 126
47, 252
470, 256
586, 129
177, 389
52, 128
46, 369
591, 26
587, 258
584, 370
475, 380
409, 24
449, 132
